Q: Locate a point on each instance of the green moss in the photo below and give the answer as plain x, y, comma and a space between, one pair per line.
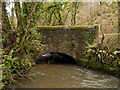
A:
82, 62
98, 66
95, 65
50, 27
78, 27
63, 27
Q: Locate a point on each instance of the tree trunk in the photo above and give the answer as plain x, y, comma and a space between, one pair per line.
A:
5, 21
73, 21
50, 18
75, 5
12, 19
18, 15
25, 14
60, 18
119, 21
103, 37
118, 16
66, 16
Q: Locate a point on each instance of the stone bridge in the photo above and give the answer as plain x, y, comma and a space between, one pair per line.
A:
68, 40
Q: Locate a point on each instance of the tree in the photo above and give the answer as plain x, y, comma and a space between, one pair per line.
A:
118, 16
118, 21
55, 11
74, 11
6, 27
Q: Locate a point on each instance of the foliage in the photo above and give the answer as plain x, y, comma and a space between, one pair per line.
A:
19, 59
74, 11
93, 57
20, 44
92, 34
13, 67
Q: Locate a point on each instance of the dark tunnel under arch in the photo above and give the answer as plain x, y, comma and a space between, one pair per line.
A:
56, 58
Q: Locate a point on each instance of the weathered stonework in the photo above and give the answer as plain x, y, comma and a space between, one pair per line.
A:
68, 40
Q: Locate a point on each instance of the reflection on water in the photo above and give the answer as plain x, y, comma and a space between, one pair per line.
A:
65, 76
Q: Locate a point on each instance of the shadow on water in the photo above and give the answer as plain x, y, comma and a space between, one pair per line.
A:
57, 58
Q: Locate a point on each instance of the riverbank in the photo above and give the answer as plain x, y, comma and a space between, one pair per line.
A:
96, 65
103, 56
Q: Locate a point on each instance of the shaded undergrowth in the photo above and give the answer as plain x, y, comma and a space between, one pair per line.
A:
106, 59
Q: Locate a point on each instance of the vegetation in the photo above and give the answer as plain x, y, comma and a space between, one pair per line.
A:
21, 42
105, 59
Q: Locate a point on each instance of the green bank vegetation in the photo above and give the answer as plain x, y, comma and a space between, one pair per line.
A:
106, 59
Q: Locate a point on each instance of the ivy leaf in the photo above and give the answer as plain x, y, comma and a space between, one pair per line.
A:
115, 52
10, 54
14, 59
99, 56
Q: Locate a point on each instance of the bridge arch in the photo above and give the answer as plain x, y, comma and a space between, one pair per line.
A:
56, 57
67, 40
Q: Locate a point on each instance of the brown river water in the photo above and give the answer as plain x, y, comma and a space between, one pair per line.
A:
65, 76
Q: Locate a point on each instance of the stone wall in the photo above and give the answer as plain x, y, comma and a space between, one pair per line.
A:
69, 40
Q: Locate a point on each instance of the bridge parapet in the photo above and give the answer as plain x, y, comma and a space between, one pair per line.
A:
69, 40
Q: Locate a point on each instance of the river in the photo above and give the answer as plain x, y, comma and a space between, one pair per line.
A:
65, 76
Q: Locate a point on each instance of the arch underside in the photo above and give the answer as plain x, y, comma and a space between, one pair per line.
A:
55, 57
